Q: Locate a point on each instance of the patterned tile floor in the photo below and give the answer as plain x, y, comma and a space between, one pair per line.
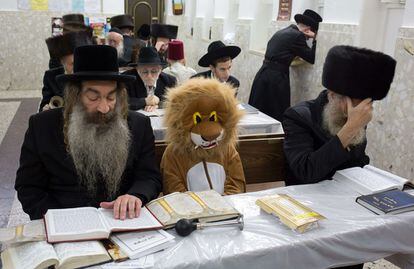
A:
16, 107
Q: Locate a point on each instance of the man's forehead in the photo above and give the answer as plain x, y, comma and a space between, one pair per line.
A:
224, 64
99, 86
149, 67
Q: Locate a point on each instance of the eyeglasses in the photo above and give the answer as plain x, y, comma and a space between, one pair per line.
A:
146, 72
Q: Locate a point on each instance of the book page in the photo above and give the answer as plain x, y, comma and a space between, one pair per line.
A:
73, 221
73, 255
7, 234
145, 221
34, 229
215, 201
386, 174
369, 182
32, 254
159, 211
183, 204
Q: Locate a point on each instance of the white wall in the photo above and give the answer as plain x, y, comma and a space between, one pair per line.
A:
108, 6
343, 11
8, 5
408, 20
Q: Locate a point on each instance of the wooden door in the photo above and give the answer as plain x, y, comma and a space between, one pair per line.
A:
145, 11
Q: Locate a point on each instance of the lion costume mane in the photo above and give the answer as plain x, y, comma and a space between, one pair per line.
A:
201, 117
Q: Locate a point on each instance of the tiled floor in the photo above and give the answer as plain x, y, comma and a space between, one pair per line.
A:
15, 112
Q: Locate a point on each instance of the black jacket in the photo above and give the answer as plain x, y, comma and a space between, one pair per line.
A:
207, 74
311, 152
137, 91
271, 86
50, 85
47, 177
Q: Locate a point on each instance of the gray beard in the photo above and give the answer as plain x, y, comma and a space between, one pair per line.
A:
120, 50
99, 150
333, 119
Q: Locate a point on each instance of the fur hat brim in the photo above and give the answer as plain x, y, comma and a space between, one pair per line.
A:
358, 72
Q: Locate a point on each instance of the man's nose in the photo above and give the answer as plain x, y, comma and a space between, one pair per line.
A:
103, 106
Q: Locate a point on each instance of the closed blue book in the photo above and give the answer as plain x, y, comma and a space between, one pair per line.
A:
387, 202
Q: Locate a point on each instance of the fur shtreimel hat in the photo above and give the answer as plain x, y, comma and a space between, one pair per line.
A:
95, 62
358, 72
144, 32
73, 19
122, 21
164, 30
63, 45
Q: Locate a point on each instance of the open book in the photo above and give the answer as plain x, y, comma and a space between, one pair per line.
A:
159, 112
369, 179
31, 231
34, 255
87, 223
204, 205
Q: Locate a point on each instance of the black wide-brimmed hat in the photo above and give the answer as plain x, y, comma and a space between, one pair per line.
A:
164, 30
148, 56
122, 21
63, 45
358, 72
217, 50
144, 32
115, 30
73, 19
309, 18
95, 62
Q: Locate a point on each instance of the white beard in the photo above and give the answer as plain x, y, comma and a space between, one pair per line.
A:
99, 150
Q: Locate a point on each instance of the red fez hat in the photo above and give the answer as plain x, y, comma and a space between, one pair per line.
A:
175, 50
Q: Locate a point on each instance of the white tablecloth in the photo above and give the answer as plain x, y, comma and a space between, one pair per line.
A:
350, 234
257, 123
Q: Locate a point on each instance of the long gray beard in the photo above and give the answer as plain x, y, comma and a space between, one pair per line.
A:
99, 150
120, 50
333, 119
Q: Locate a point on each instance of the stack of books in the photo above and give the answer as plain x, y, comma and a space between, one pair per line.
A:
292, 213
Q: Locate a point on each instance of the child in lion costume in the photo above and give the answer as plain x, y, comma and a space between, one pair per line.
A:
201, 117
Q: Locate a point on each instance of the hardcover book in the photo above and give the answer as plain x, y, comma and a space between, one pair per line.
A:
388, 202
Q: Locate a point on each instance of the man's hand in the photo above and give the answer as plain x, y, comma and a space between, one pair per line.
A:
152, 100
309, 34
358, 117
124, 205
46, 107
161, 46
150, 108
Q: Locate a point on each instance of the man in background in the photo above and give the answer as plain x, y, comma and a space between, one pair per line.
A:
176, 62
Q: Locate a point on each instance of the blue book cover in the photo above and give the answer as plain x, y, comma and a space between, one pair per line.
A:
388, 202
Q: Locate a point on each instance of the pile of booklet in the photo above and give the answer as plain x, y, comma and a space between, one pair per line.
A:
290, 212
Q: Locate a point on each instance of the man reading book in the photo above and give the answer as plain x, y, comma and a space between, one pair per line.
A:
328, 133
92, 152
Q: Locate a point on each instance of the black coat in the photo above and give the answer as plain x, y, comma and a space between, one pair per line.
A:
207, 74
137, 91
313, 154
47, 177
50, 86
271, 86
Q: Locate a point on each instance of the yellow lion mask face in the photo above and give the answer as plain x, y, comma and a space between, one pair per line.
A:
201, 117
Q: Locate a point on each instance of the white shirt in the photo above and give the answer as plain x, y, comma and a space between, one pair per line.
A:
180, 72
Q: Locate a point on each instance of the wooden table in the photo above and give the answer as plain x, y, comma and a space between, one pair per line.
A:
260, 146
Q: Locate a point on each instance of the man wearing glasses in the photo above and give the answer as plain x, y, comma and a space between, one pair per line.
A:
147, 92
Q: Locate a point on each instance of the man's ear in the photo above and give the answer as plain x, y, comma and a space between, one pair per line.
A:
211, 67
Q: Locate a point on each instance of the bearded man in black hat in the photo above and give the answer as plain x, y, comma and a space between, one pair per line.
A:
147, 91
125, 24
92, 152
61, 48
328, 133
270, 91
219, 58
